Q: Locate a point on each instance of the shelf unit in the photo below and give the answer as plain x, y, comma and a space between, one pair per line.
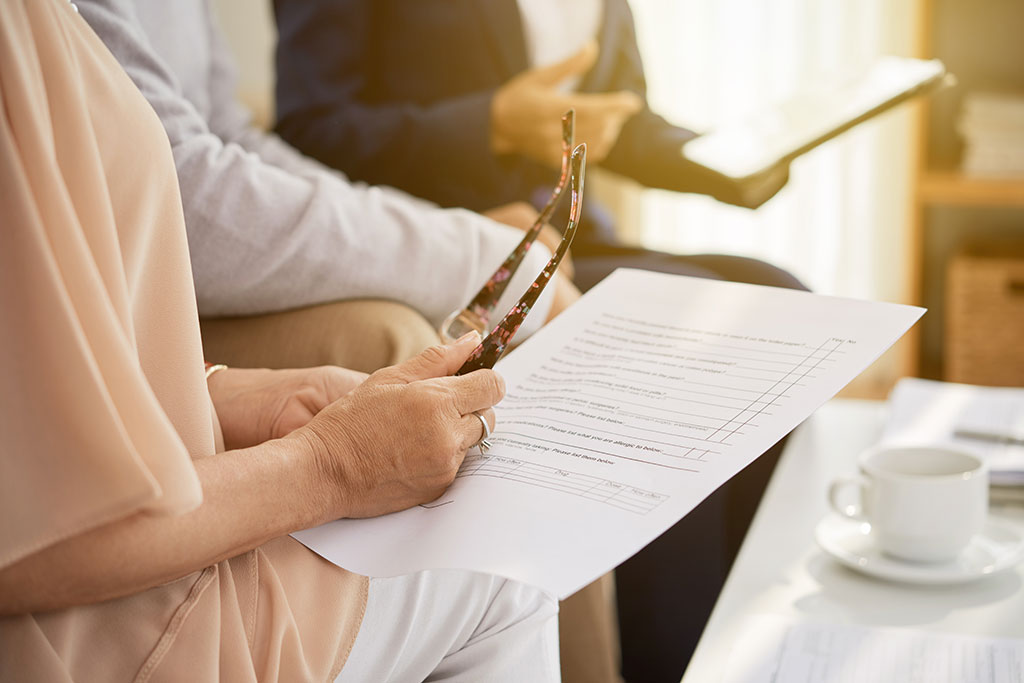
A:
953, 188
981, 44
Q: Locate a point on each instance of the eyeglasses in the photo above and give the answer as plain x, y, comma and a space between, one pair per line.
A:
496, 343
475, 316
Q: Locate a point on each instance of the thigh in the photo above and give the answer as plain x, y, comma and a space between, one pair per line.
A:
595, 262
665, 593
455, 626
361, 334
743, 269
588, 634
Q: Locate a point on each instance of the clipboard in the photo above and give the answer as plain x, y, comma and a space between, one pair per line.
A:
783, 132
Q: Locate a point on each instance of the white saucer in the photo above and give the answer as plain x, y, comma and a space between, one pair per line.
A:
995, 549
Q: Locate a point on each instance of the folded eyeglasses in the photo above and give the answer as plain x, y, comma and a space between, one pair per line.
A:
477, 314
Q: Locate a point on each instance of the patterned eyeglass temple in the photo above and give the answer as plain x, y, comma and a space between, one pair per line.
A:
477, 315
494, 345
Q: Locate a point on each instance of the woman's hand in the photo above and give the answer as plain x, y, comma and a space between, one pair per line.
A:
258, 405
394, 441
399, 438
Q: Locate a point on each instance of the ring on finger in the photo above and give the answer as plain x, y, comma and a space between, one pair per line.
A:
483, 443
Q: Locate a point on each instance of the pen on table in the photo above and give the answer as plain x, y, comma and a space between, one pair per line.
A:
1010, 439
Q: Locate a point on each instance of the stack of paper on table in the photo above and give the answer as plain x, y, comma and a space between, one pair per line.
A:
620, 417
778, 650
986, 420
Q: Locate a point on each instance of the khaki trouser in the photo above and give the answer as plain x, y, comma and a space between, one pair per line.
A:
366, 335
362, 334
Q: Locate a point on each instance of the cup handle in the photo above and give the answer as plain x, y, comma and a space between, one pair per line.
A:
850, 510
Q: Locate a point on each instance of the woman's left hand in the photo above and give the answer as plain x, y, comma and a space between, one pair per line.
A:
258, 405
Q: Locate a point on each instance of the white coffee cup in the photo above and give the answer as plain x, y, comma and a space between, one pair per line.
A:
924, 503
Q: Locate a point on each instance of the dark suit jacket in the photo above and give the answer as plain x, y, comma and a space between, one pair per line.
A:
398, 92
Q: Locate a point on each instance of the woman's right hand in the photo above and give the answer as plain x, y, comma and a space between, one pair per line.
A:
398, 439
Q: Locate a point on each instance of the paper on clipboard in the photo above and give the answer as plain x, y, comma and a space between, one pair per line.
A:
785, 131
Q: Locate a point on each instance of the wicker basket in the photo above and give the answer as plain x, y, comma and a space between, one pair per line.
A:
985, 320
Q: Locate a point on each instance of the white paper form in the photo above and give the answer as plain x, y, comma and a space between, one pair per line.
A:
777, 650
620, 417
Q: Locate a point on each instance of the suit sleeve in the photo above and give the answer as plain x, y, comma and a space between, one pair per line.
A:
648, 148
439, 150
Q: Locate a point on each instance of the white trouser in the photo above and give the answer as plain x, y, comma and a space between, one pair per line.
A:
455, 626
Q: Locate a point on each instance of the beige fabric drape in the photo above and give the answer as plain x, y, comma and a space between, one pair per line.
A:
103, 404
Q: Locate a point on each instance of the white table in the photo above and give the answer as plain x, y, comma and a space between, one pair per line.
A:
781, 571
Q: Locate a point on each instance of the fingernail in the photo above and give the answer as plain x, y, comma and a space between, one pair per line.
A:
474, 335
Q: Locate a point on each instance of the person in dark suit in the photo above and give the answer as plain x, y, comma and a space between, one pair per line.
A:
440, 99
449, 101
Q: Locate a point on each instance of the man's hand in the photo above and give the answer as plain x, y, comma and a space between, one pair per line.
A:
758, 189
526, 112
398, 439
522, 216
754, 191
258, 405
749, 193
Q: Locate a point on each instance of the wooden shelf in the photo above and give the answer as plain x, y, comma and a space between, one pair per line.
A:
953, 188
980, 44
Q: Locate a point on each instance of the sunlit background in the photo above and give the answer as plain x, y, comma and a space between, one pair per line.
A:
837, 225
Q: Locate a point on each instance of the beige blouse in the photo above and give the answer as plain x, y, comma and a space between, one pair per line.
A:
103, 404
